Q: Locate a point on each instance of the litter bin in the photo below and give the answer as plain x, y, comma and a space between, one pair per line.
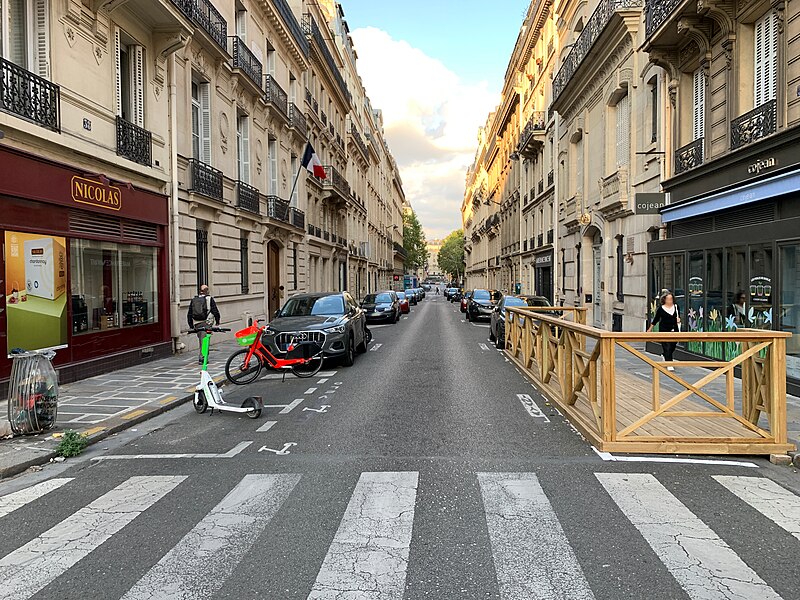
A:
33, 392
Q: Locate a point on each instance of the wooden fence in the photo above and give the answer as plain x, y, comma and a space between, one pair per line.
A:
659, 410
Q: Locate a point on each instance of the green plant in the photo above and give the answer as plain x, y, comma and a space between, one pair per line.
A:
72, 444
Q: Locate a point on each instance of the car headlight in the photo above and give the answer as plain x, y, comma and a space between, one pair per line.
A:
337, 329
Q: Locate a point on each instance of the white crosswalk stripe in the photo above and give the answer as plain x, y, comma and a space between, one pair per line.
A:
11, 502
31, 567
526, 539
222, 538
768, 498
702, 563
369, 554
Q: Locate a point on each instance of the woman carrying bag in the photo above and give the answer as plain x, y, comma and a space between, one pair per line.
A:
668, 319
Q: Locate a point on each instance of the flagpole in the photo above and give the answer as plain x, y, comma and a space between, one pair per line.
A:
294, 185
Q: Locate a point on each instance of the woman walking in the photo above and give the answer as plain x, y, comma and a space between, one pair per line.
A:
668, 319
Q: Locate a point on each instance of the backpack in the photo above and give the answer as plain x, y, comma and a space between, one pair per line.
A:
201, 308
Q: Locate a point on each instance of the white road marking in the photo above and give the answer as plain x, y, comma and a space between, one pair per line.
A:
327, 373
266, 426
311, 390
11, 502
483, 346
337, 383
480, 325
323, 380
33, 566
532, 408
237, 449
526, 535
368, 557
286, 408
229, 530
282, 452
774, 502
382, 325
333, 391
608, 457
700, 561
322, 409
375, 347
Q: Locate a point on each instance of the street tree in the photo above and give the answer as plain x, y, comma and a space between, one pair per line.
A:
451, 254
414, 242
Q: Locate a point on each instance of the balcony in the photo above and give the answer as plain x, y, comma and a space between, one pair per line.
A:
313, 33
245, 61
689, 156
309, 97
583, 45
656, 13
540, 187
29, 97
754, 125
400, 251
275, 96
297, 218
134, 143
550, 179
317, 232
549, 236
525, 246
326, 236
205, 180
310, 229
203, 14
324, 118
277, 209
533, 135
291, 23
540, 240
247, 198
358, 141
297, 120
336, 181
614, 194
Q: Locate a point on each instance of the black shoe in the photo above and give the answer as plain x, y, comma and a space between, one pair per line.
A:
200, 361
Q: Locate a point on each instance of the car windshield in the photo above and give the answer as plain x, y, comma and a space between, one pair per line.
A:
485, 295
401, 295
305, 306
382, 299
512, 301
538, 302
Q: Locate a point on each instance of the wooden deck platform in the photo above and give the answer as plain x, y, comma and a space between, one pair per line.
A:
689, 410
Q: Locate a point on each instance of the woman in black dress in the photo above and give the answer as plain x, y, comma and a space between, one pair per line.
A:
668, 319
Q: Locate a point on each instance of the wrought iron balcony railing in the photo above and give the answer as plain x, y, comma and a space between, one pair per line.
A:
689, 156
297, 120
247, 198
540, 240
549, 178
277, 209
134, 143
274, 95
549, 236
754, 125
359, 142
336, 180
297, 218
583, 45
656, 13
310, 229
244, 60
398, 249
326, 236
312, 32
540, 186
205, 180
536, 124
324, 118
292, 25
317, 232
203, 14
309, 97
29, 97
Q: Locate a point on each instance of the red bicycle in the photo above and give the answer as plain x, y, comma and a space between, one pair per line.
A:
303, 358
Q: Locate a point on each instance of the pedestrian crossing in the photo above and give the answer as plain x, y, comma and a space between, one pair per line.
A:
535, 556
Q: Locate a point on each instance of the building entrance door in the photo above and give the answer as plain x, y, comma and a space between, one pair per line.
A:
273, 278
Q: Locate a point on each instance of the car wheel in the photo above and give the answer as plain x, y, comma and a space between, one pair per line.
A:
362, 347
500, 341
349, 353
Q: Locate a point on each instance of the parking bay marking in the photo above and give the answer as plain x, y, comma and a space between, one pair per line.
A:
322, 409
311, 390
483, 346
286, 408
229, 454
266, 426
282, 452
532, 408
375, 347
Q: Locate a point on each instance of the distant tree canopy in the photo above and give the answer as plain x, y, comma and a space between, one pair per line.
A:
451, 254
414, 242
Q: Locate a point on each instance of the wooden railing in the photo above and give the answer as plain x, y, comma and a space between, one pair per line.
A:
698, 407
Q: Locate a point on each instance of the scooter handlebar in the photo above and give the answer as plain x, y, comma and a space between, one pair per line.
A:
208, 329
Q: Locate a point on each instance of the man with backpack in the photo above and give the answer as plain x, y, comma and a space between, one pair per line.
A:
203, 311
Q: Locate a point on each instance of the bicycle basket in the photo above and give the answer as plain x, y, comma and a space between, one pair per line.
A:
246, 336
304, 350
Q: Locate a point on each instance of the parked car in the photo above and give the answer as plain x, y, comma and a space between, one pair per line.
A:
465, 300
448, 293
333, 320
457, 295
412, 296
383, 306
497, 324
423, 291
482, 303
403, 302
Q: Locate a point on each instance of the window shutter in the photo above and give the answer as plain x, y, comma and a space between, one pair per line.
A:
579, 165
623, 130
766, 59
205, 122
138, 85
273, 167
699, 105
42, 39
118, 71
244, 166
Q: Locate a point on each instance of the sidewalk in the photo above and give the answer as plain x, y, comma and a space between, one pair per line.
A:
102, 405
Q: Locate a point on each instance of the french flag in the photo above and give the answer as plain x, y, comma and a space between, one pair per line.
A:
312, 162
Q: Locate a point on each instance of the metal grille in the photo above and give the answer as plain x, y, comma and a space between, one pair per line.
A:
297, 120
134, 143
282, 339
95, 224
29, 96
204, 14
274, 95
752, 215
689, 156
136, 230
277, 208
245, 60
205, 180
692, 227
754, 125
247, 198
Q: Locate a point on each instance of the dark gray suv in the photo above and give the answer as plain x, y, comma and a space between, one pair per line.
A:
333, 320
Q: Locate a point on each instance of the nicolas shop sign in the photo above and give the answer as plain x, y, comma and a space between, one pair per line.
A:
649, 204
86, 191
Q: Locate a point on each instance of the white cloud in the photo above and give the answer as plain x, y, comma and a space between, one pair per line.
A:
431, 119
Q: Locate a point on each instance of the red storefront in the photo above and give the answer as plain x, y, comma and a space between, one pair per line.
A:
84, 267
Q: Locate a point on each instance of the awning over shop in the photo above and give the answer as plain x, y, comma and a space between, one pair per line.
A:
764, 189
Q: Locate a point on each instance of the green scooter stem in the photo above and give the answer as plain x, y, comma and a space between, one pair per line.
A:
204, 351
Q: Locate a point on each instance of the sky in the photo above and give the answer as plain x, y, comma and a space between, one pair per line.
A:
435, 68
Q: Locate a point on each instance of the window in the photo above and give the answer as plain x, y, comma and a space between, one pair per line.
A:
201, 121
292, 89
766, 59
244, 258
270, 60
293, 199
623, 130
620, 267
241, 22
578, 185
24, 38
243, 148
698, 105
129, 78
654, 110
272, 157
202, 254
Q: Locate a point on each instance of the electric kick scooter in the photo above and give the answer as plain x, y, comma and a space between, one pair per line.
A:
208, 395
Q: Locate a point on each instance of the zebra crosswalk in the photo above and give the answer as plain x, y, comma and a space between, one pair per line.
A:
534, 555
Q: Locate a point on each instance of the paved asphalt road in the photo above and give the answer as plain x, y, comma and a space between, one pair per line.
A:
419, 473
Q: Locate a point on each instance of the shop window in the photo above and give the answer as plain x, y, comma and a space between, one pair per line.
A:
130, 78
789, 306
714, 309
244, 263
201, 235
760, 314
695, 311
112, 285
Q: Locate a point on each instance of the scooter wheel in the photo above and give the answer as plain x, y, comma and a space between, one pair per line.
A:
255, 412
200, 402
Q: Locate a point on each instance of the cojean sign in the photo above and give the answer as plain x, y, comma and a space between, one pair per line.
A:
650, 204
